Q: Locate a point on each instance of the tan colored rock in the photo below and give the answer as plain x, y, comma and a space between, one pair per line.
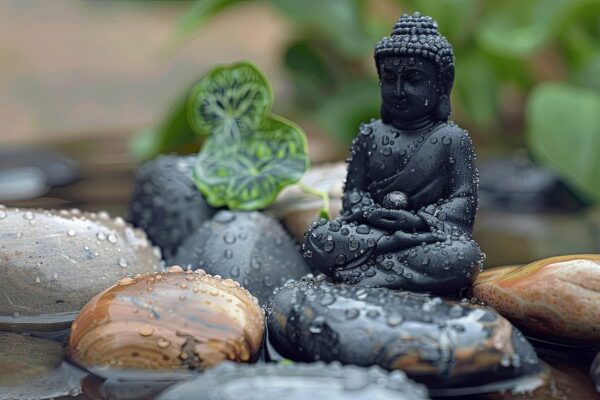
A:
297, 209
558, 296
168, 321
53, 262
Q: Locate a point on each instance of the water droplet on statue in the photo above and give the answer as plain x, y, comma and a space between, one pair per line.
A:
317, 325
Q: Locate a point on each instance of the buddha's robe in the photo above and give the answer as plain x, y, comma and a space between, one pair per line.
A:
436, 170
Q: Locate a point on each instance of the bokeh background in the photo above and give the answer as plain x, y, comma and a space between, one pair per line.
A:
89, 88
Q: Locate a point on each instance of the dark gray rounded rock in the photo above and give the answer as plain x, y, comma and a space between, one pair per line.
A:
166, 203
438, 342
249, 247
297, 382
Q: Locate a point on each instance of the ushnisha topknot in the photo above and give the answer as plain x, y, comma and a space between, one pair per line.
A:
416, 35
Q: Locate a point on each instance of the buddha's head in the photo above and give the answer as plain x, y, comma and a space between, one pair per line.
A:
416, 71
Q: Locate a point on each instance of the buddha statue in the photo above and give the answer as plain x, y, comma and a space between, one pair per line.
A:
410, 196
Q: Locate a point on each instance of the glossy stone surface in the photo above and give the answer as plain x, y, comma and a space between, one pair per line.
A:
53, 262
558, 296
32, 368
166, 203
249, 247
423, 242
297, 382
297, 209
167, 321
434, 341
595, 372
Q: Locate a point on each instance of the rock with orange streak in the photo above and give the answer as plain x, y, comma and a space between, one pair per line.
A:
557, 296
168, 321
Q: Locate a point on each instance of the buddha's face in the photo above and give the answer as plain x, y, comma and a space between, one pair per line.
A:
409, 87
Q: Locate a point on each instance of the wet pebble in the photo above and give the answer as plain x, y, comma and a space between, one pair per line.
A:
297, 209
422, 335
53, 262
249, 247
32, 368
166, 203
168, 321
557, 296
297, 382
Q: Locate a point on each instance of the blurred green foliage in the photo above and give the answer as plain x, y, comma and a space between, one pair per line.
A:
506, 52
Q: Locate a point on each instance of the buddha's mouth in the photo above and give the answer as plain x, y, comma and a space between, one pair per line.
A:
402, 104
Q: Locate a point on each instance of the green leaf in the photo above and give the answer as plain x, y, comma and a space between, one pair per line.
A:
342, 113
564, 134
200, 13
340, 21
515, 28
229, 101
172, 134
250, 173
477, 88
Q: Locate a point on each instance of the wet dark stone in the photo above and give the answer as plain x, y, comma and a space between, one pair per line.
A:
438, 342
297, 382
249, 247
166, 203
595, 372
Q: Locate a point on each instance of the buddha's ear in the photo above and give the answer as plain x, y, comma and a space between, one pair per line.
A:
443, 109
448, 79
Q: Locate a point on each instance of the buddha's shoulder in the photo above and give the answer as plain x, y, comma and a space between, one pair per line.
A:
455, 134
369, 130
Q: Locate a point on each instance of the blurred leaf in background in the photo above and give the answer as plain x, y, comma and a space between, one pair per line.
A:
505, 52
564, 133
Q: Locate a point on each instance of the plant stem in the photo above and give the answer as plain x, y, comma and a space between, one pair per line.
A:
324, 213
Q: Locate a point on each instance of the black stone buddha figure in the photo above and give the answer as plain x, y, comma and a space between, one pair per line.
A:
411, 192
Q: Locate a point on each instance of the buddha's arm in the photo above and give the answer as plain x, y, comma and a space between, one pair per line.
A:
458, 209
356, 198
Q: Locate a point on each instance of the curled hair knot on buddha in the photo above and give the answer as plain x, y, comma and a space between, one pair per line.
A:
417, 36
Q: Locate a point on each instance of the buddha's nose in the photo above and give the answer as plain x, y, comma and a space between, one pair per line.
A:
400, 86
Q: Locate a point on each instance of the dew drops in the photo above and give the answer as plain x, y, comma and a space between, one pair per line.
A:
2, 214
126, 280
229, 238
163, 343
394, 320
122, 262
71, 233
228, 253
146, 330
101, 236
28, 216
317, 325
112, 238
352, 313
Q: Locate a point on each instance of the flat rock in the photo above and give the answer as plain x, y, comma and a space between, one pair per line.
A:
249, 247
558, 296
297, 209
32, 368
166, 203
297, 382
435, 341
53, 262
